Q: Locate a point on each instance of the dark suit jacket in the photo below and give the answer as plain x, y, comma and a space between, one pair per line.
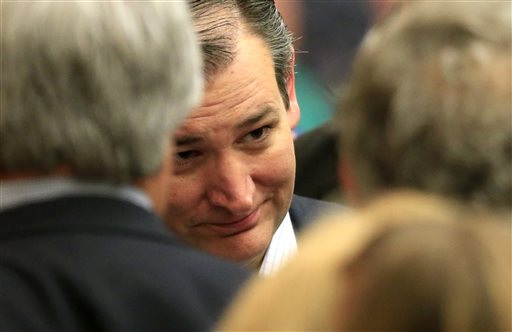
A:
95, 264
316, 153
304, 211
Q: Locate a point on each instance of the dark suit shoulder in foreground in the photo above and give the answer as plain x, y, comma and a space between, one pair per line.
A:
93, 264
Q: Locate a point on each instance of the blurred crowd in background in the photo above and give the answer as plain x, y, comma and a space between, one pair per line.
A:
327, 34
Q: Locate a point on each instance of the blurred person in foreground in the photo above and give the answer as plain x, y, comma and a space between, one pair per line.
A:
91, 93
429, 106
406, 262
234, 167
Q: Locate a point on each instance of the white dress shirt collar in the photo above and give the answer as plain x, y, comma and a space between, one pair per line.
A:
282, 246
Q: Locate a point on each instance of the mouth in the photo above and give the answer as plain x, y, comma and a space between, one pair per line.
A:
235, 227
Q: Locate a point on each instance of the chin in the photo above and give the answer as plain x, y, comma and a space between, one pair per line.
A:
244, 258
247, 248
250, 256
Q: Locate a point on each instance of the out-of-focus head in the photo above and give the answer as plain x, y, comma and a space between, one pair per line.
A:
444, 272
94, 86
235, 164
429, 104
406, 262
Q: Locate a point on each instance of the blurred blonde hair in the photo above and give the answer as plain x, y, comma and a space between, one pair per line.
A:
342, 266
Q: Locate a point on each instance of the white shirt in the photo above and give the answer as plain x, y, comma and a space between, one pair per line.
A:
282, 246
18, 192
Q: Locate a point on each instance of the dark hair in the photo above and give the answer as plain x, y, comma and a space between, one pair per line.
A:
218, 24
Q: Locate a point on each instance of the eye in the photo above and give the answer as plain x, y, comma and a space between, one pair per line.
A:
259, 134
186, 155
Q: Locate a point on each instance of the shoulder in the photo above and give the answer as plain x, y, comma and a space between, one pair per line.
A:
119, 260
304, 211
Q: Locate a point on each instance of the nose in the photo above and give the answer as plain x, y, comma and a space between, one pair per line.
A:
231, 186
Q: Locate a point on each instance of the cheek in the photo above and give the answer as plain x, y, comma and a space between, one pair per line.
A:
181, 203
278, 166
182, 195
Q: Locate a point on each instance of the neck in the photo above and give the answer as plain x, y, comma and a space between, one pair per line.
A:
27, 174
255, 263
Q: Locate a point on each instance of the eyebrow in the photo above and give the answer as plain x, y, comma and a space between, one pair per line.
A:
248, 122
188, 140
255, 118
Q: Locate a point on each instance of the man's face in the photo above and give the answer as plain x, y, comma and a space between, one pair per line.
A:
234, 165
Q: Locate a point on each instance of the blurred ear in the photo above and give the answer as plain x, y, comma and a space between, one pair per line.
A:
294, 110
157, 186
348, 181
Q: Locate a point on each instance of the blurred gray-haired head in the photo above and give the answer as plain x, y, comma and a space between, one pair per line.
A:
97, 86
429, 103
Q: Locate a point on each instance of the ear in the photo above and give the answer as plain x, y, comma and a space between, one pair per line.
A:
157, 186
294, 110
348, 181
